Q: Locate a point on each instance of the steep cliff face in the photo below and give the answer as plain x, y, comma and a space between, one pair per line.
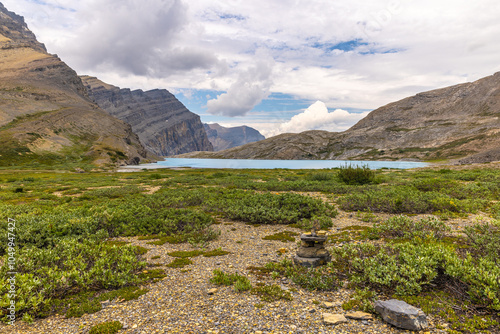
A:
45, 113
223, 138
15, 33
460, 123
162, 122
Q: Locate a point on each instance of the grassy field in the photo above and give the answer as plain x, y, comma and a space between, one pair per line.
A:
62, 225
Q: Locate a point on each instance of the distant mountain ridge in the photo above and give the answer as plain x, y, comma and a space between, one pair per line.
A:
460, 123
164, 125
223, 138
45, 112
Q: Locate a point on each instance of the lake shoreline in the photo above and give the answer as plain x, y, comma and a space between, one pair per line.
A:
170, 163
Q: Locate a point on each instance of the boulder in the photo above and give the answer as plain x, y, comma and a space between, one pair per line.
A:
402, 315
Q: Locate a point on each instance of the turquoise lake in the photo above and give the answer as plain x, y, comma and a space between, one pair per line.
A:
273, 164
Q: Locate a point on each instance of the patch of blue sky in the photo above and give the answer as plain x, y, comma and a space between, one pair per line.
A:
276, 106
373, 51
282, 103
56, 6
342, 46
196, 99
225, 16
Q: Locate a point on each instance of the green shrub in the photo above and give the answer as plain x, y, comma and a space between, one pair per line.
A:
109, 327
136, 219
272, 293
485, 239
240, 282
320, 278
404, 227
408, 268
110, 192
71, 265
319, 176
405, 199
269, 208
349, 174
361, 299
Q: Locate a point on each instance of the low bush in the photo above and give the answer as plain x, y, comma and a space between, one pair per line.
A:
272, 293
71, 265
267, 208
240, 282
485, 239
405, 227
351, 175
409, 267
405, 199
321, 278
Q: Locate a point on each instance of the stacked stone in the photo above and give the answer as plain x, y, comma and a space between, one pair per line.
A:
312, 252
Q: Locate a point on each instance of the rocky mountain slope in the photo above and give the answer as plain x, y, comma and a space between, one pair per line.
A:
164, 125
223, 138
460, 122
45, 112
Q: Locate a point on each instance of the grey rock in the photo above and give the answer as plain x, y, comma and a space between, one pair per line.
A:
314, 252
309, 262
164, 125
402, 315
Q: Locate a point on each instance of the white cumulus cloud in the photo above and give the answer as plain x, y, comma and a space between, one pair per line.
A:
317, 117
250, 88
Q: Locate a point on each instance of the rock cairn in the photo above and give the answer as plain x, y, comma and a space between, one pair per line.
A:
312, 252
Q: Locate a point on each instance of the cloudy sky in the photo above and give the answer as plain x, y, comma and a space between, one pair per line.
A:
277, 65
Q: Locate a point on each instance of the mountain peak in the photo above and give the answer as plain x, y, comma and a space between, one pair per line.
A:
15, 32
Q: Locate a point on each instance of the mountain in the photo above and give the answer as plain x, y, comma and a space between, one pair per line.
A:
223, 138
46, 115
460, 122
164, 125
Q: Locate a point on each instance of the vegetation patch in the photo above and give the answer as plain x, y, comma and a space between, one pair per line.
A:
185, 254
77, 305
321, 278
361, 299
109, 327
153, 275
272, 293
215, 252
240, 282
179, 263
284, 236
268, 208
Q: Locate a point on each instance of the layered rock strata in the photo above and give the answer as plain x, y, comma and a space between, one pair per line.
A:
45, 112
164, 125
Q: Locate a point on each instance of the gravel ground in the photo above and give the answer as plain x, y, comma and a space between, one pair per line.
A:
180, 303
